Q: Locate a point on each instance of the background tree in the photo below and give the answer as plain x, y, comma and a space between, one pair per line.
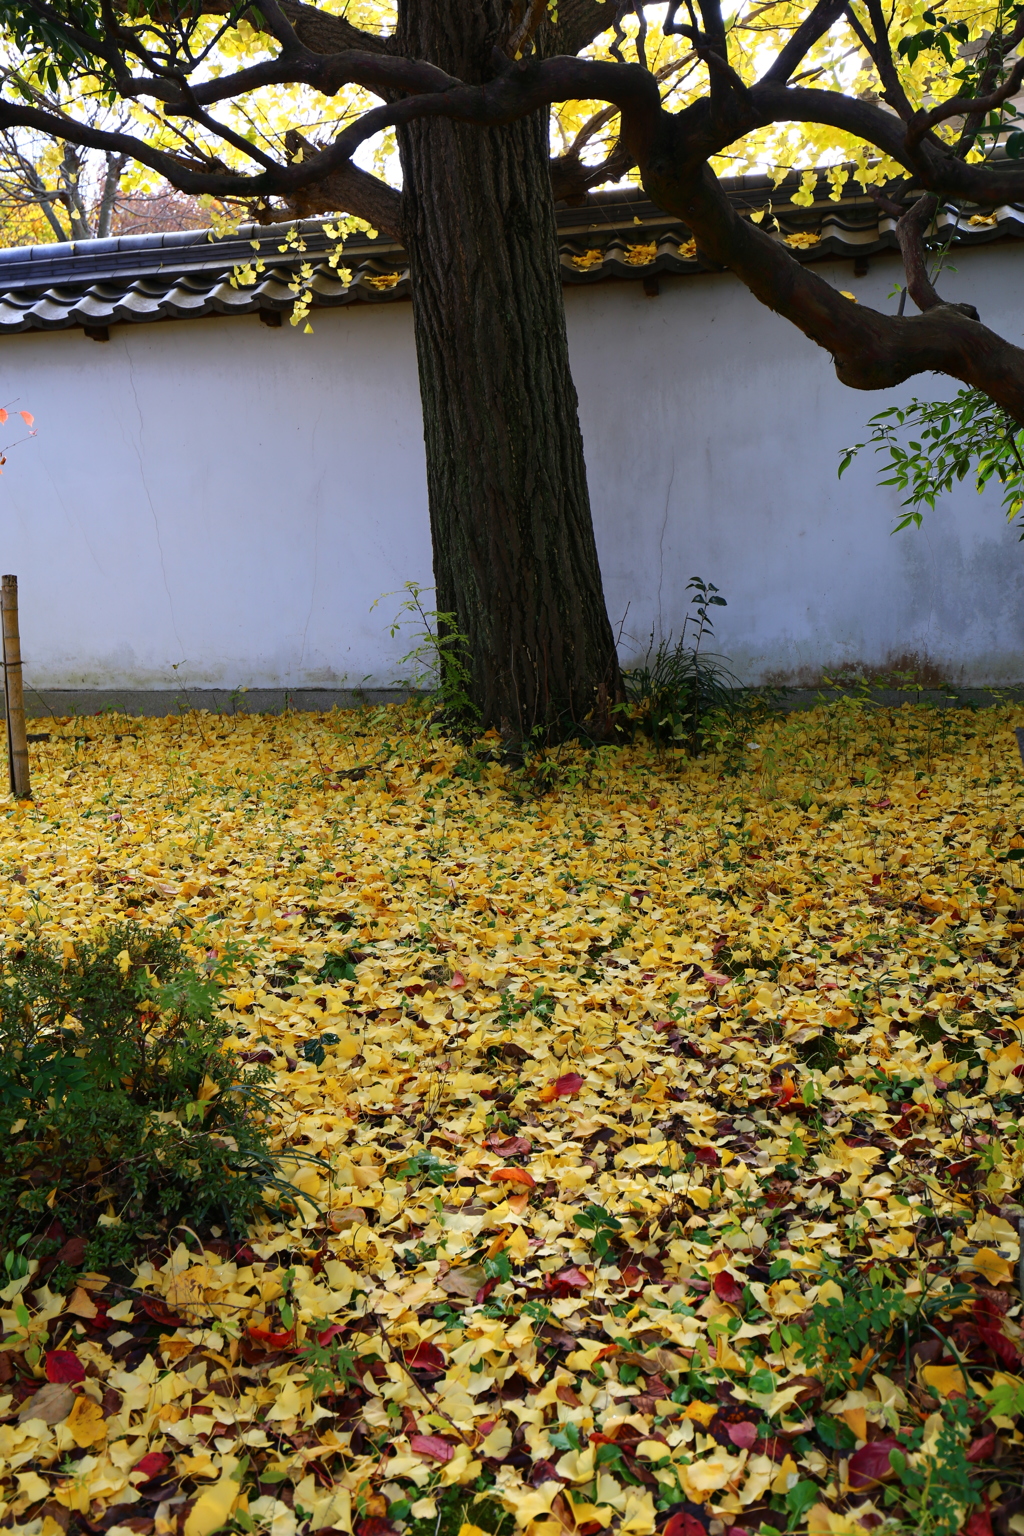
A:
916, 104
56, 189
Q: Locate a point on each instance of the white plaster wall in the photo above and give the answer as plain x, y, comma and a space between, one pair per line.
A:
216, 503
714, 431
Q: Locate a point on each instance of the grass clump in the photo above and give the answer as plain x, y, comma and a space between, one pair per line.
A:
118, 1097
679, 695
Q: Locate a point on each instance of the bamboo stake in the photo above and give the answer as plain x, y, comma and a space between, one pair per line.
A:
14, 697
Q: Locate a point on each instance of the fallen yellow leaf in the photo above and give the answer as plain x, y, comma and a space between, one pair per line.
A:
86, 1422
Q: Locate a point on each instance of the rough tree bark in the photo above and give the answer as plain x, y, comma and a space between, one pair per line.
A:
514, 553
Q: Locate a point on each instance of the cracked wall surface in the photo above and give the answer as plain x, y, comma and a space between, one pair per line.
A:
218, 504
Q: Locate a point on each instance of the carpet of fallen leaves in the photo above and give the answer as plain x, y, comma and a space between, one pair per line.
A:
668, 1126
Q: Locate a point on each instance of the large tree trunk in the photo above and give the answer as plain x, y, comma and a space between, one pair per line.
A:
514, 553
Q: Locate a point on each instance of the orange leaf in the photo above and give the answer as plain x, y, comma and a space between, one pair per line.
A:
514, 1176
26, 417
3, 415
786, 1092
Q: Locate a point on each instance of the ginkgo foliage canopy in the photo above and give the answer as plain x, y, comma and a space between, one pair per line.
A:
298, 108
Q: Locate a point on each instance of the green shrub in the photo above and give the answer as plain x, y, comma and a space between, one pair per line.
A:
118, 1095
673, 689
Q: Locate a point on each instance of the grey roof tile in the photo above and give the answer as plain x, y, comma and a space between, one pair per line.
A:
617, 235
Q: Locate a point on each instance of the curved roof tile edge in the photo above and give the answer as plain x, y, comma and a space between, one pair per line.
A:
141, 279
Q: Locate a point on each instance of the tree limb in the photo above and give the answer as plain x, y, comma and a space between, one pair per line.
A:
910, 231
824, 15
869, 350
319, 31
924, 122
346, 190
533, 15
572, 179
580, 21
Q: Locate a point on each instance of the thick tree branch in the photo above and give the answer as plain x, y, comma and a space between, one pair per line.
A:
870, 350
580, 21
534, 13
878, 51
518, 90
346, 190
924, 122
319, 31
824, 15
324, 73
910, 232
571, 179
931, 165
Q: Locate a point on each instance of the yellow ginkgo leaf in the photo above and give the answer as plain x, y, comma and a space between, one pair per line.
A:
213, 1507
86, 1423
990, 1265
944, 1380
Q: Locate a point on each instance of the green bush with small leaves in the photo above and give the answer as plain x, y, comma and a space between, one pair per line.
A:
117, 1094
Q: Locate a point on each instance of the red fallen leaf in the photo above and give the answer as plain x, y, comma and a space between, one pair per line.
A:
154, 1308
375, 1526
566, 1086
269, 1340
774, 1448
485, 1290
458, 980
903, 1126
1006, 1350
870, 1465
434, 1446
514, 1176
152, 1464
571, 1279
323, 1339
426, 1357
777, 1197
713, 979
876, 879
64, 1366
73, 1252
662, 1024
980, 1522
1019, 1071
708, 1156
727, 1287
683, 1524
743, 1434
509, 1146
981, 1449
